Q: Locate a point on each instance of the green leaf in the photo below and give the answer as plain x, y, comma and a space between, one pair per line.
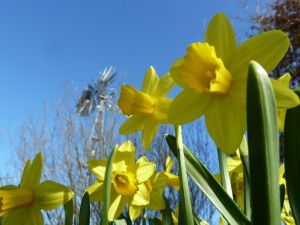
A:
185, 213
84, 215
155, 221
210, 186
292, 158
263, 143
107, 186
68, 207
167, 214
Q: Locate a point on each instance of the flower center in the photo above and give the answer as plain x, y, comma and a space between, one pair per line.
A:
134, 102
203, 71
11, 200
124, 183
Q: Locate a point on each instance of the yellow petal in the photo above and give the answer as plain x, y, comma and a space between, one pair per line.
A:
134, 211
173, 181
132, 124
267, 49
49, 195
117, 205
142, 159
15, 217
285, 97
149, 131
169, 164
35, 171
26, 174
98, 167
174, 72
157, 202
220, 34
142, 196
150, 81
159, 181
234, 164
163, 87
281, 119
124, 183
125, 158
161, 110
226, 123
188, 106
144, 171
96, 191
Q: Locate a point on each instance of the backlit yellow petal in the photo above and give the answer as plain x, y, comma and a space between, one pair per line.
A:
142, 197
220, 34
96, 191
49, 195
150, 81
132, 124
144, 171
135, 211
267, 49
188, 106
117, 205
157, 202
125, 158
174, 72
26, 174
36, 171
226, 124
11, 200
169, 164
149, 131
161, 111
98, 167
163, 87
281, 119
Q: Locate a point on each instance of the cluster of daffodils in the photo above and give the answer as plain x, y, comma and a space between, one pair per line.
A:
213, 78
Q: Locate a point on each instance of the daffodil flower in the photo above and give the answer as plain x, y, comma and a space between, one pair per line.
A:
213, 76
22, 205
146, 108
173, 180
129, 180
282, 84
156, 186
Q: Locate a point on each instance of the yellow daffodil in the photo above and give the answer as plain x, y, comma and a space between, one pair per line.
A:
282, 84
146, 108
129, 180
213, 76
175, 216
173, 180
156, 186
21, 205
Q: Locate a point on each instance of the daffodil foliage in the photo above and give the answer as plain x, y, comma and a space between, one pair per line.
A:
228, 84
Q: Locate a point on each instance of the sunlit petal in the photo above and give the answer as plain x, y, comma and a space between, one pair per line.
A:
49, 195
161, 111
132, 124
98, 167
35, 171
163, 87
267, 49
188, 106
117, 205
125, 158
149, 131
134, 211
142, 197
96, 191
144, 171
150, 81
221, 35
157, 202
175, 73
26, 174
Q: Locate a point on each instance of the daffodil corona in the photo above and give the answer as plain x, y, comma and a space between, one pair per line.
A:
213, 76
22, 205
146, 108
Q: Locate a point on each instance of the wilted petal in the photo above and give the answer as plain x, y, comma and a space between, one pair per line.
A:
220, 34
98, 167
188, 106
149, 131
49, 195
132, 124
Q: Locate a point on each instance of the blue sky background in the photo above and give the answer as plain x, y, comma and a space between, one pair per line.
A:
45, 43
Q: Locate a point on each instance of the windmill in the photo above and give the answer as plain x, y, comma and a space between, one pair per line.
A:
98, 95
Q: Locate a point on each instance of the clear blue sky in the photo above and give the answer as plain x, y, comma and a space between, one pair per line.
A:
44, 43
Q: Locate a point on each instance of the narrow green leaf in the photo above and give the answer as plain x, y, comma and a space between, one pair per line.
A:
210, 186
167, 214
68, 207
263, 143
185, 214
84, 215
155, 221
107, 186
292, 158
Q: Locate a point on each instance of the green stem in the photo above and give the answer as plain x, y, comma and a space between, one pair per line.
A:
224, 173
